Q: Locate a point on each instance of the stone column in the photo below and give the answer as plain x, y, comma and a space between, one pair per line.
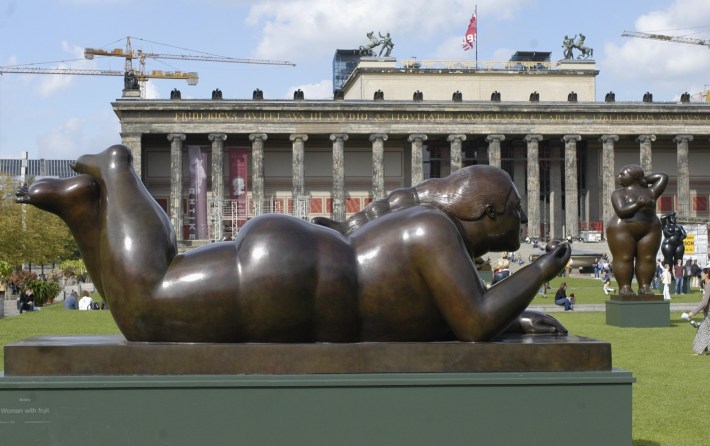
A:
217, 183
519, 167
339, 175
176, 140
299, 171
378, 165
257, 171
456, 155
533, 185
133, 141
683, 179
571, 190
494, 149
417, 141
608, 177
555, 210
217, 164
646, 154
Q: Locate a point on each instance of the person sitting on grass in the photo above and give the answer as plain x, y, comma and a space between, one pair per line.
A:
71, 303
86, 302
561, 297
501, 272
607, 287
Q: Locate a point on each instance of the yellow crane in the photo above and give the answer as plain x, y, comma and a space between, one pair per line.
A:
141, 75
129, 54
673, 39
191, 77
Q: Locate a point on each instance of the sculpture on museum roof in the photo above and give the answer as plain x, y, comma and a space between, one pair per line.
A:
387, 45
369, 48
130, 81
569, 44
634, 233
405, 273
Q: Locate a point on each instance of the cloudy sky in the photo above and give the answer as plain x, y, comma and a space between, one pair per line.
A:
64, 116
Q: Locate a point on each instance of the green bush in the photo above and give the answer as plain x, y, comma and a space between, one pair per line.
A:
44, 291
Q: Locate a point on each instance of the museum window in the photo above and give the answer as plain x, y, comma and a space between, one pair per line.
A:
700, 205
469, 156
665, 204
436, 159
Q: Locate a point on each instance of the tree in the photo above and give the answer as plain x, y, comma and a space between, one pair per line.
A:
29, 235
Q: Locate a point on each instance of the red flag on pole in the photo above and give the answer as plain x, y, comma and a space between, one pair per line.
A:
470, 37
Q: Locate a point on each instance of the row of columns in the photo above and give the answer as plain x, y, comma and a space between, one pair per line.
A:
531, 201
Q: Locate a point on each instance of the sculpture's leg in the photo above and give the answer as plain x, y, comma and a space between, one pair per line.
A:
623, 250
647, 248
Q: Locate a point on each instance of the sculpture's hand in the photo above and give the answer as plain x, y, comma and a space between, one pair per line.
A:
534, 322
23, 194
549, 265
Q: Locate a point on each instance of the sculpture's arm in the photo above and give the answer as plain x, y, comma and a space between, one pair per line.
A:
657, 182
621, 207
472, 312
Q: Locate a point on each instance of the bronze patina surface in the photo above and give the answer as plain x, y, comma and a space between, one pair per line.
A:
113, 355
634, 233
400, 270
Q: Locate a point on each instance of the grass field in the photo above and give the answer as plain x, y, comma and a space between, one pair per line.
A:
590, 291
668, 398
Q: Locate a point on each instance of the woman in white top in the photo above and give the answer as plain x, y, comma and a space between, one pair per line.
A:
666, 281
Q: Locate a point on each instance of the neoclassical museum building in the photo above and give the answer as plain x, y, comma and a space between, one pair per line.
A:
214, 163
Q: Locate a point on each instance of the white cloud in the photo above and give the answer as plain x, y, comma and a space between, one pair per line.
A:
287, 29
151, 91
320, 90
77, 136
667, 68
52, 83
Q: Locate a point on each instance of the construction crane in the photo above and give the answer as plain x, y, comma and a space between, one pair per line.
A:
191, 77
673, 39
129, 54
666, 38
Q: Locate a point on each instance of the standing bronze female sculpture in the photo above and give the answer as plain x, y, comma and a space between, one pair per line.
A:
634, 233
405, 275
673, 248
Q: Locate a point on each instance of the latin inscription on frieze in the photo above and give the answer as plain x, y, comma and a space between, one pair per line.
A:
423, 117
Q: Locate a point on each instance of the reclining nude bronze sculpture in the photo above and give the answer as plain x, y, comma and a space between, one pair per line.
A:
401, 270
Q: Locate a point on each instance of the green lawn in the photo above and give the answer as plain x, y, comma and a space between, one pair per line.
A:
590, 291
667, 396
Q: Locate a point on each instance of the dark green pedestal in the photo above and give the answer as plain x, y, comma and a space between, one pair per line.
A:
554, 408
654, 313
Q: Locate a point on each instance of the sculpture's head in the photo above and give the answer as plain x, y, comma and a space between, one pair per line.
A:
485, 202
117, 157
631, 174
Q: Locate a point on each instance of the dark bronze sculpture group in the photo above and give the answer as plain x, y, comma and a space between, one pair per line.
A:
400, 270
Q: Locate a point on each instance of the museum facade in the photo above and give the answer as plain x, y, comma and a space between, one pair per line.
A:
214, 163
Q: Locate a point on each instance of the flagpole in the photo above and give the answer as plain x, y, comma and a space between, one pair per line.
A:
475, 11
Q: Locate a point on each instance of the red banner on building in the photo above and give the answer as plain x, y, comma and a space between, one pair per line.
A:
239, 181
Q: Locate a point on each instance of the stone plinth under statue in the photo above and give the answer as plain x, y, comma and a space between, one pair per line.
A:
113, 355
345, 394
640, 311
